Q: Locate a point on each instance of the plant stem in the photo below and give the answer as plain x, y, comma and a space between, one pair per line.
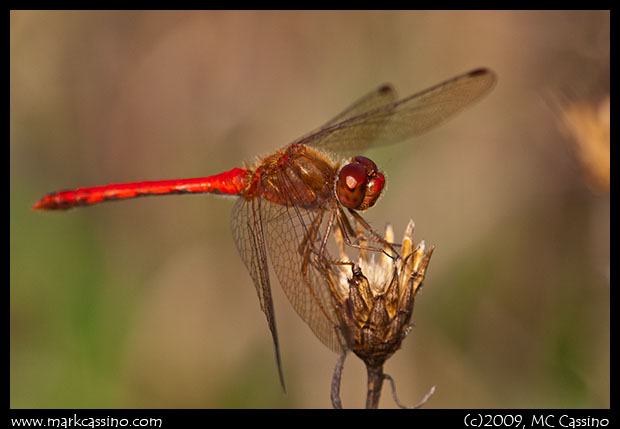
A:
375, 382
335, 393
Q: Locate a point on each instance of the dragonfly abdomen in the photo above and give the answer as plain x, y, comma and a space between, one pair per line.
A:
231, 182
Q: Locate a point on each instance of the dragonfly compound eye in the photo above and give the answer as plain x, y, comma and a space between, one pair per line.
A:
368, 163
351, 186
374, 187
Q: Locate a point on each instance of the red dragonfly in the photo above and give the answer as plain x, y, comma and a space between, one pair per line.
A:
290, 202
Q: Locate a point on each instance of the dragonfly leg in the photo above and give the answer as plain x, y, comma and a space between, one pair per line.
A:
347, 232
306, 249
376, 236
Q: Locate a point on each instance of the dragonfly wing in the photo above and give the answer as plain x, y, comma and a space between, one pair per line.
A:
247, 230
293, 236
381, 96
405, 118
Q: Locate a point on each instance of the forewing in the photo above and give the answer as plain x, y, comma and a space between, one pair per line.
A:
382, 96
293, 237
411, 116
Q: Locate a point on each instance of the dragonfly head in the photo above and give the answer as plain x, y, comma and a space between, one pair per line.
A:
359, 184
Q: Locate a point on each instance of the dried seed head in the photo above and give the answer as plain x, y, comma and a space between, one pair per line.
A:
374, 295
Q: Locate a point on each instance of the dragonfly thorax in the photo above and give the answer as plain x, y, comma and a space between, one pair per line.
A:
299, 176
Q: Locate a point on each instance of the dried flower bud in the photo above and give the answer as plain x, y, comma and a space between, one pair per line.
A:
374, 296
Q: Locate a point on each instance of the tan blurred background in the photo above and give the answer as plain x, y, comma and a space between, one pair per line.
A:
146, 303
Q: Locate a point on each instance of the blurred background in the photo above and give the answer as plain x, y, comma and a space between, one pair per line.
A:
146, 303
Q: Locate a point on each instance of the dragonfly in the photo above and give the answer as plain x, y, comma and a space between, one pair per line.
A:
290, 203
